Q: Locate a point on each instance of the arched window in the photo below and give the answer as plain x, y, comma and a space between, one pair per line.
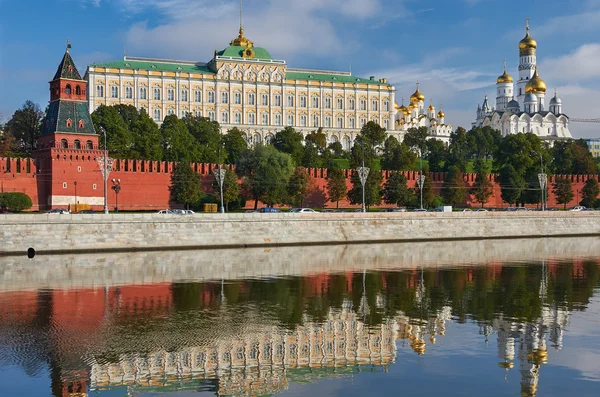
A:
265, 119
278, 119
346, 143
114, 91
363, 104
237, 98
352, 122
238, 118
64, 144
89, 145
340, 122
211, 115
265, 99
197, 96
251, 98
256, 139
251, 118
68, 89
77, 90
211, 97
77, 144
170, 111
327, 122
375, 105
290, 100
315, 102
327, 103
290, 119
225, 117
156, 114
352, 104
128, 92
315, 120
303, 101
269, 138
170, 94
340, 103
143, 93
81, 124
157, 94
100, 91
184, 95
225, 97
303, 120
69, 123
386, 106
277, 99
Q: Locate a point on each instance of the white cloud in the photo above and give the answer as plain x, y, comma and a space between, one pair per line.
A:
581, 64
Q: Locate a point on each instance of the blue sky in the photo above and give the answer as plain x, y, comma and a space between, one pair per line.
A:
455, 48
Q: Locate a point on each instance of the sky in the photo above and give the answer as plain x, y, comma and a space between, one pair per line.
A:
454, 48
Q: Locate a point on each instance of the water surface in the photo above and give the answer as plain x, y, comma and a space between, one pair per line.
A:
500, 318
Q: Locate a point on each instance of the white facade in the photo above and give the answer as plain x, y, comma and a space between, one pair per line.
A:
244, 87
521, 106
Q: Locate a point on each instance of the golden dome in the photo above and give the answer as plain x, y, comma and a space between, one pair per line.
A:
396, 106
241, 40
430, 107
535, 85
528, 44
505, 77
417, 96
441, 113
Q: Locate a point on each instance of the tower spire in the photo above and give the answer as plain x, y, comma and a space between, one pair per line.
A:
505, 66
241, 20
527, 25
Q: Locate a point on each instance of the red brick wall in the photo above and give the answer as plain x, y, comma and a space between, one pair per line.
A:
145, 184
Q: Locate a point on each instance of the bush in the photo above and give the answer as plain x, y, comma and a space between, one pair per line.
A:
15, 202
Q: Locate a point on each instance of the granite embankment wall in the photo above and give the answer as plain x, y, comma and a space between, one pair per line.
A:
97, 233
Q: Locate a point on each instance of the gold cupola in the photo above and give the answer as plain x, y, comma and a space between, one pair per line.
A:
441, 113
535, 85
241, 40
417, 96
528, 45
505, 77
431, 107
403, 108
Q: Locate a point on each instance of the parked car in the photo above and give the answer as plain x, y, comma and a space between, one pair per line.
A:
183, 212
467, 210
303, 210
399, 209
165, 212
87, 212
269, 210
522, 209
59, 211
419, 210
481, 210
578, 208
251, 211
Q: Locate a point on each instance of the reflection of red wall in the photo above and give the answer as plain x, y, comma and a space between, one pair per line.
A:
18, 307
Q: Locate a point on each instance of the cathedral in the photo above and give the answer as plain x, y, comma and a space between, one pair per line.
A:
415, 116
522, 108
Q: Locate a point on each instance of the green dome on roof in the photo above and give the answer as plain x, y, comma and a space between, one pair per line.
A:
245, 52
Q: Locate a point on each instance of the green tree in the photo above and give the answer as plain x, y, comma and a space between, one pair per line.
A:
483, 142
146, 138
26, 126
397, 156
458, 150
511, 184
436, 155
590, 193
454, 189
317, 138
396, 191
8, 145
337, 150
15, 201
267, 173
177, 142
583, 160
373, 134
300, 186
119, 138
290, 141
185, 186
416, 138
336, 185
234, 144
563, 191
482, 189
311, 157
372, 189
207, 134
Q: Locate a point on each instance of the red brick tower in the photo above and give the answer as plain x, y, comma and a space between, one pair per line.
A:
68, 147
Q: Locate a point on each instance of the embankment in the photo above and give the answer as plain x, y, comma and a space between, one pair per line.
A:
131, 232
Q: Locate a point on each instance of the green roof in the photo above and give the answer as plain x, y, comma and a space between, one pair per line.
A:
60, 111
155, 65
236, 52
331, 77
67, 68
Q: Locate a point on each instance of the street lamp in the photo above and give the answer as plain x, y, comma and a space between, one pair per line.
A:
543, 180
104, 173
75, 184
220, 177
363, 174
117, 188
421, 178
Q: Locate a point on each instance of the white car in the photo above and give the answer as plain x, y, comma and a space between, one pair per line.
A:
165, 212
578, 208
302, 210
59, 211
481, 210
183, 212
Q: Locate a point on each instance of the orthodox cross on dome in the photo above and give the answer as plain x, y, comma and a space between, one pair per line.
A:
527, 24
505, 66
68, 45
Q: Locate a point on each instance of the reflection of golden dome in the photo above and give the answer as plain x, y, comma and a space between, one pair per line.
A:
528, 45
539, 357
529, 392
418, 346
535, 85
506, 365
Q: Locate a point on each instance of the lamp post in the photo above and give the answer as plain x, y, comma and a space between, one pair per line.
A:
117, 188
75, 184
421, 178
220, 177
104, 173
363, 174
543, 180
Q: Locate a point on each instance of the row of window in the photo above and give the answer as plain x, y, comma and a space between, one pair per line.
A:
251, 98
290, 121
64, 144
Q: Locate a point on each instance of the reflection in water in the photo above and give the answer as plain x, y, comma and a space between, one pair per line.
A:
256, 336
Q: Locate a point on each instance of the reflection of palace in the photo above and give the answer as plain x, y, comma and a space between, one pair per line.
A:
242, 338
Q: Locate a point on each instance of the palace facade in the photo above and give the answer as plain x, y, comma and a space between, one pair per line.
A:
244, 86
521, 106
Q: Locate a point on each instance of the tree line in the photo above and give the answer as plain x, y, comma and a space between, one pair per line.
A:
267, 169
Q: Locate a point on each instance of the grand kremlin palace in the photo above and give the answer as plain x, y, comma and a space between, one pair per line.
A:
244, 86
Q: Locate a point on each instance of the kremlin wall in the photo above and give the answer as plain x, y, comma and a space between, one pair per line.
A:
145, 184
